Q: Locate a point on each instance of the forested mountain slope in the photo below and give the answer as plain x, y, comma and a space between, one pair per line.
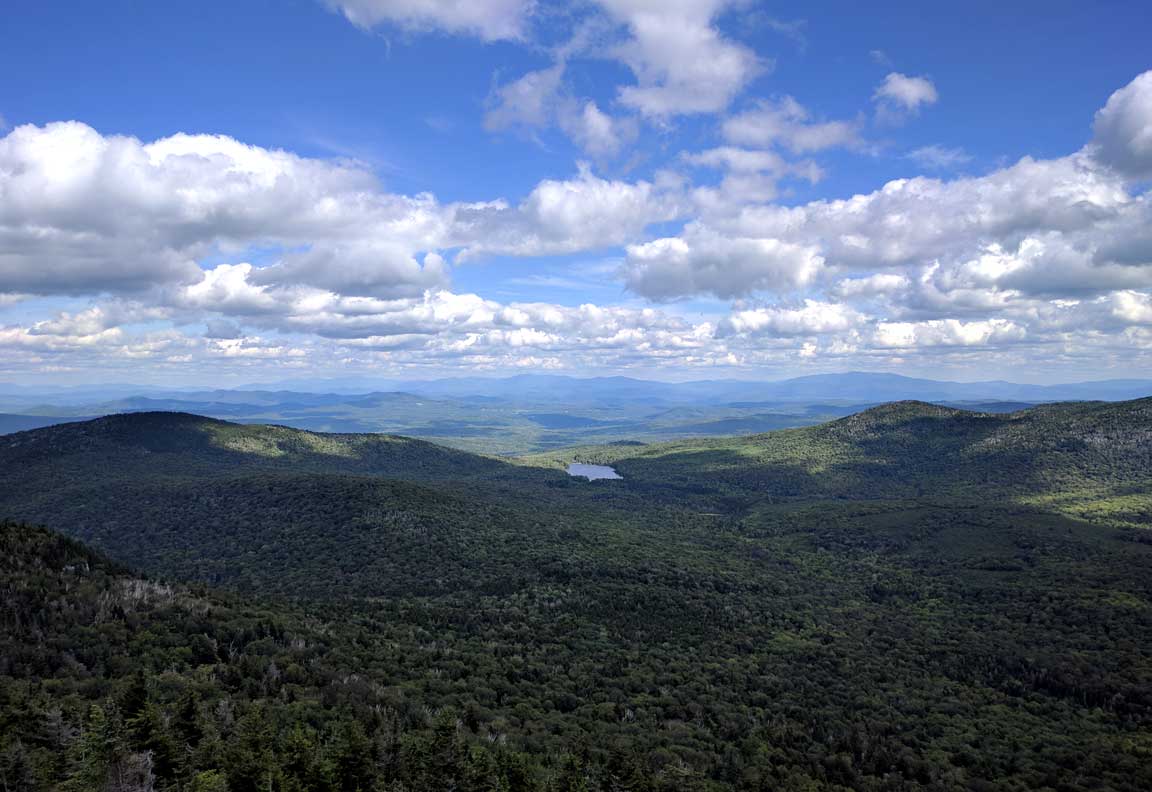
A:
275, 509
909, 449
279, 510
910, 598
846, 651
179, 444
113, 682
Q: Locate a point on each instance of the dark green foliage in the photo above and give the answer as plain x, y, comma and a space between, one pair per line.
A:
906, 449
912, 598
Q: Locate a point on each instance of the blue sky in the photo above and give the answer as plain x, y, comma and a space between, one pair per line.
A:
399, 187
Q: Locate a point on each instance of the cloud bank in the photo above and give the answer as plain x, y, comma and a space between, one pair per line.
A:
202, 252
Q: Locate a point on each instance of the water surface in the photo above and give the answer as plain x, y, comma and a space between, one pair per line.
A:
592, 472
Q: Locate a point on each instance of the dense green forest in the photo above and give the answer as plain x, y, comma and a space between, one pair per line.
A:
909, 598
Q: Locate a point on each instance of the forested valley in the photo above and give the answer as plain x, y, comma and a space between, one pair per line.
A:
914, 597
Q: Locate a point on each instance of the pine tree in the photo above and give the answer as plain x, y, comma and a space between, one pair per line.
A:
149, 732
353, 759
571, 777
249, 759
94, 751
15, 769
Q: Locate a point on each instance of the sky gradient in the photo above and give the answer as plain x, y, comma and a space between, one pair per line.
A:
253, 191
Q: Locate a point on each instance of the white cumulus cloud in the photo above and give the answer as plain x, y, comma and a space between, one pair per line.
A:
683, 64
814, 317
705, 262
787, 123
1123, 130
908, 93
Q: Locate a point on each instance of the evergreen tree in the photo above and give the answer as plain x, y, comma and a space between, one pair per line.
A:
250, 765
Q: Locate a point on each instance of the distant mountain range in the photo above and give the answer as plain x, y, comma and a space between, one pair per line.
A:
534, 412
859, 386
853, 385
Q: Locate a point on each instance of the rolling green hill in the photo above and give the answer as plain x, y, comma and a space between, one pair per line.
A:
913, 597
1072, 453
179, 444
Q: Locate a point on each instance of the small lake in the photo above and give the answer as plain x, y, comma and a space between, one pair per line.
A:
592, 472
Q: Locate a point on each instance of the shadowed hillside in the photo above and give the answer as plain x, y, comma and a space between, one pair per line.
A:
161, 443
914, 598
272, 508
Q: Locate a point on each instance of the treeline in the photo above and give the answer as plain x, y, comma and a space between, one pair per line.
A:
137, 745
